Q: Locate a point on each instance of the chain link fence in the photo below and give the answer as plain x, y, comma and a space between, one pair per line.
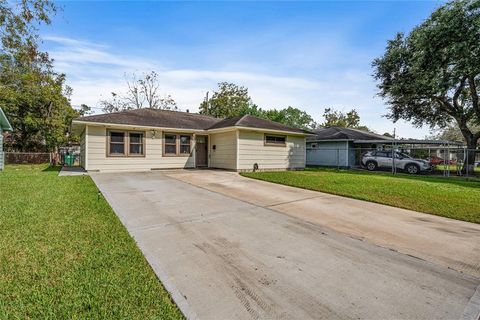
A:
64, 158
438, 161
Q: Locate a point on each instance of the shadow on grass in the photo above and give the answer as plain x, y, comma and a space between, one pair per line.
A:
52, 168
458, 181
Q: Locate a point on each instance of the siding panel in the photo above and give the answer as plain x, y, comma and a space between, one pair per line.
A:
225, 154
98, 160
252, 150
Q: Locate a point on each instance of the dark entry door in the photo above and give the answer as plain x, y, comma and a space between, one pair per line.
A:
201, 153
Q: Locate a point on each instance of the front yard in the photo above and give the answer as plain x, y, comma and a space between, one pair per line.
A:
65, 255
452, 198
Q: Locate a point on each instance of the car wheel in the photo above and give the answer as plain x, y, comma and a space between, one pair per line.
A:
412, 168
371, 166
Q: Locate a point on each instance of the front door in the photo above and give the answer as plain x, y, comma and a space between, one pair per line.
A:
201, 151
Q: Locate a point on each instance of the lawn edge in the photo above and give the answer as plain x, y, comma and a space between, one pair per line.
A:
243, 174
174, 293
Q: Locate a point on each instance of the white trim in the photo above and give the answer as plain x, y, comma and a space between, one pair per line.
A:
231, 128
238, 150
114, 125
86, 148
291, 133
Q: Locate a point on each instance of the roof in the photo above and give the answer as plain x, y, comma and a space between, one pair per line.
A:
184, 120
413, 141
345, 134
249, 121
4, 124
154, 118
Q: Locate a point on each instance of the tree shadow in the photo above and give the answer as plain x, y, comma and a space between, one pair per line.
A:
52, 168
468, 182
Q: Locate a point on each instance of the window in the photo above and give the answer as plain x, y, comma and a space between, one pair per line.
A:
177, 144
275, 140
117, 144
184, 144
124, 144
170, 144
135, 144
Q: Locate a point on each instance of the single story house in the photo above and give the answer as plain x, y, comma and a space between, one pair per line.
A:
4, 126
150, 139
340, 147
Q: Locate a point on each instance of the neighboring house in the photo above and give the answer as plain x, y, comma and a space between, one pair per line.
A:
149, 139
340, 147
4, 126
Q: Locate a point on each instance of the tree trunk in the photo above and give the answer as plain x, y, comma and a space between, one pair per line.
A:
470, 155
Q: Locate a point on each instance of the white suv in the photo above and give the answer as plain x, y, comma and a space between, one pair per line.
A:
373, 160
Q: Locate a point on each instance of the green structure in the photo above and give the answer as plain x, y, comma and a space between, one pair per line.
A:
4, 126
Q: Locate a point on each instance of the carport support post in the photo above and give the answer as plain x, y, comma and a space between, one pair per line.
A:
338, 155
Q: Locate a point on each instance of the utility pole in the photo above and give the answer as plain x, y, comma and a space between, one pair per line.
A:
206, 103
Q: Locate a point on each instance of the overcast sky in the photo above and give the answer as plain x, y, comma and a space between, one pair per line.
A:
311, 55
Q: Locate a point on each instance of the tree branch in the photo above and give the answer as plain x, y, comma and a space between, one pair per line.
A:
474, 94
457, 93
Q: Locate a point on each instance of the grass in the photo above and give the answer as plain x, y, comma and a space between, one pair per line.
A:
65, 255
452, 198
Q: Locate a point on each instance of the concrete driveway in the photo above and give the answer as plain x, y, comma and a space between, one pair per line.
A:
223, 257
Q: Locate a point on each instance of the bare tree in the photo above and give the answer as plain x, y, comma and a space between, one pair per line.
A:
143, 92
114, 104
134, 96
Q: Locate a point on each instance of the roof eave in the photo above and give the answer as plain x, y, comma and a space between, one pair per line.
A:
6, 126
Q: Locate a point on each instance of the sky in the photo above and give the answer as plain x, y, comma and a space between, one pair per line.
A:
311, 55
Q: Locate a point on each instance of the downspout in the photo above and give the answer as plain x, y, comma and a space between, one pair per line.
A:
237, 155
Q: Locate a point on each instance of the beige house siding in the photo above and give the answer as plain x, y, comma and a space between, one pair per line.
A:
251, 150
224, 156
83, 143
97, 154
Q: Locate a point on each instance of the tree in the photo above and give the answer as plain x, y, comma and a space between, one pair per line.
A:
34, 97
431, 76
290, 116
350, 119
84, 110
229, 100
451, 132
18, 20
141, 92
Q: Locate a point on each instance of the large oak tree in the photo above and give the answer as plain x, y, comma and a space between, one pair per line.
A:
431, 76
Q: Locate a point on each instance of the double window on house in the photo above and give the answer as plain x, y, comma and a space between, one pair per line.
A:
177, 144
275, 140
126, 144
132, 144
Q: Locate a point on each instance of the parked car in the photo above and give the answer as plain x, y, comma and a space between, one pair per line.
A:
435, 161
374, 160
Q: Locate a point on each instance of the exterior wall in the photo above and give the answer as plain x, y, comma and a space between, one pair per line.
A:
97, 154
329, 154
224, 156
251, 150
83, 142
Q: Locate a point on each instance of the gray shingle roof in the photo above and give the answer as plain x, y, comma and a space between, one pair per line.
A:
249, 121
339, 133
184, 120
155, 118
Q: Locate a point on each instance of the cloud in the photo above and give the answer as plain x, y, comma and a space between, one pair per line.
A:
94, 70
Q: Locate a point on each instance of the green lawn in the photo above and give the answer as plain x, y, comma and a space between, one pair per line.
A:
65, 255
452, 198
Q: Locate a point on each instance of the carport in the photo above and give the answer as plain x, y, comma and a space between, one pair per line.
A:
445, 156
